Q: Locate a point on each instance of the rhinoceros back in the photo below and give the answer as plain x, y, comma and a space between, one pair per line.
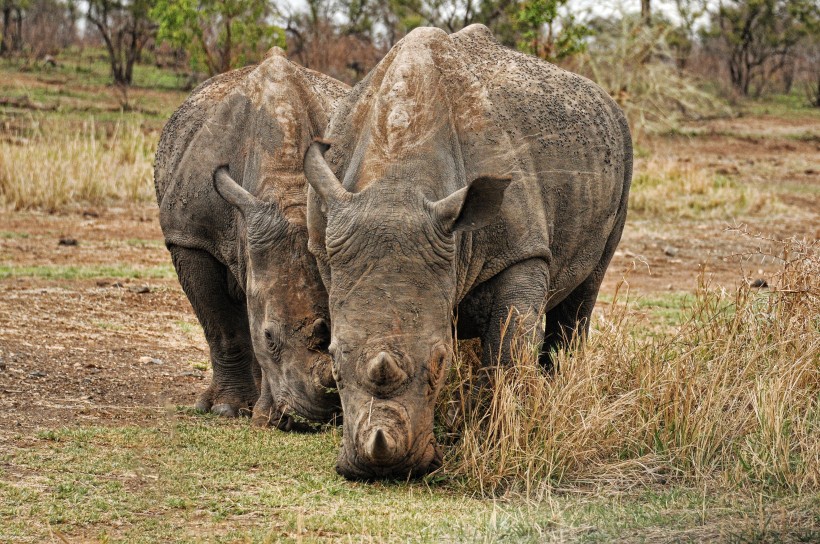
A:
257, 120
571, 153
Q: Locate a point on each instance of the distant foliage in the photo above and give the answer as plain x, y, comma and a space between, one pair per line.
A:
547, 34
125, 28
219, 35
761, 38
635, 65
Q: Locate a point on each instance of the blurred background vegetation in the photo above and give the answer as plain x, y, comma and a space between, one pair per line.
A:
652, 55
86, 85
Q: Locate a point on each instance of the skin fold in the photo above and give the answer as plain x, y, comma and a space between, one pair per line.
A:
459, 182
232, 197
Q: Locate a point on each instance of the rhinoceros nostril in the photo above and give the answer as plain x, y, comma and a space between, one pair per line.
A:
383, 370
381, 447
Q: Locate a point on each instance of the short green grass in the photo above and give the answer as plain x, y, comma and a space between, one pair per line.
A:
108, 326
793, 104
195, 478
80, 85
12, 235
662, 310
61, 272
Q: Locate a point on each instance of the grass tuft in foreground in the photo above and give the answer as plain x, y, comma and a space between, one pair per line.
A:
730, 398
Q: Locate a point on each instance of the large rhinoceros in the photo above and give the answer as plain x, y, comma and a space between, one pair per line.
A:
240, 247
475, 180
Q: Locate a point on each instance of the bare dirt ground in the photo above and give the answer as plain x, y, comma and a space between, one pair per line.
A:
74, 348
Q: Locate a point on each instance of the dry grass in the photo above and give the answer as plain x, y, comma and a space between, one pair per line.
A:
634, 64
670, 188
729, 398
50, 164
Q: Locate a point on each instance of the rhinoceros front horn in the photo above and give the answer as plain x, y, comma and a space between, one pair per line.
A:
380, 447
320, 176
383, 370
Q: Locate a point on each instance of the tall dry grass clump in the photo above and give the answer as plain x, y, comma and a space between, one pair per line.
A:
729, 398
50, 165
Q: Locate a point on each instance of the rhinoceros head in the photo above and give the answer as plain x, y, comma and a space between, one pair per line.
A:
286, 310
392, 258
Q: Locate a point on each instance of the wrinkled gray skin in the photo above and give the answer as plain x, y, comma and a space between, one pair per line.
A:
238, 238
475, 180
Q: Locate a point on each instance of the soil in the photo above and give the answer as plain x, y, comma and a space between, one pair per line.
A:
113, 351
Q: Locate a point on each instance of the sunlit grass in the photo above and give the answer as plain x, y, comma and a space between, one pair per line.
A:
56, 164
63, 272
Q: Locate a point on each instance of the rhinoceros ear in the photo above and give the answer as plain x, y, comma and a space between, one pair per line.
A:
233, 193
474, 206
320, 176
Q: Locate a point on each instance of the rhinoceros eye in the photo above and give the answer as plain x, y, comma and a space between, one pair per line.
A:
273, 343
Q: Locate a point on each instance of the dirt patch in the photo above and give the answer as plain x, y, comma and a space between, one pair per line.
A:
75, 346
77, 349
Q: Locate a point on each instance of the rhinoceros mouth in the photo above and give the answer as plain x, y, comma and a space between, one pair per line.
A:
414, 465
288, 419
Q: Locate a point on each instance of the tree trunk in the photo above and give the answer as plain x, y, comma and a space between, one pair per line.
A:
5, 46
646, 12
226, 51
18, 35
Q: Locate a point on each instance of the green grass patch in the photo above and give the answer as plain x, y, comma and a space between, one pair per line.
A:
12, 235
81, 83
201, 478
794, 104
108, 326
143, 244
60, 272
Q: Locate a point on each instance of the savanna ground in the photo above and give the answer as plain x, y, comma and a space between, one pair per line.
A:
100, 353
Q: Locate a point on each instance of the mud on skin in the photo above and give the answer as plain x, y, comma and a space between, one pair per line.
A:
231, 191
462, 178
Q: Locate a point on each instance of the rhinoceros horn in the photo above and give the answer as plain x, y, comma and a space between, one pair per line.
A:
380, 447
383, 370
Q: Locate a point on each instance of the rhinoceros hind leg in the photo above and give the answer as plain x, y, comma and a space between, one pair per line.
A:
569, 318
224, 319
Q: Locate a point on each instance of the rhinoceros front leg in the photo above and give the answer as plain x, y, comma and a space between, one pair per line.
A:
516, 299
235, 385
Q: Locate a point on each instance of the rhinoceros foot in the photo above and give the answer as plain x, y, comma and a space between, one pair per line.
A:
227, 402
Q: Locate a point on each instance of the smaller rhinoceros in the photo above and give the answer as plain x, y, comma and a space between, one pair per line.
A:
232, 194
